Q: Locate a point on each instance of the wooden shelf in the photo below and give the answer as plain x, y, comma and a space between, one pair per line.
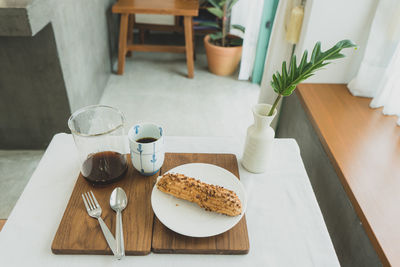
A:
364, 148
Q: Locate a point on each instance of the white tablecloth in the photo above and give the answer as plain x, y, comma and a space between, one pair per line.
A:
285, 224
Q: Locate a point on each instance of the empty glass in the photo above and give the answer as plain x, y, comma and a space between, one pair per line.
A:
99, 136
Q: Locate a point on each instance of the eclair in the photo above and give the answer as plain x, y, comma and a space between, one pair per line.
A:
210, 197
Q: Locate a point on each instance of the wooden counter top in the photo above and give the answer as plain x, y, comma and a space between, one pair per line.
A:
364, 148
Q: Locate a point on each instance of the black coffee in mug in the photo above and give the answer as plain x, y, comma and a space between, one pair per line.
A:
145, 140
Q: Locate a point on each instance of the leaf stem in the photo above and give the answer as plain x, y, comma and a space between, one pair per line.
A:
274, 105
224, 26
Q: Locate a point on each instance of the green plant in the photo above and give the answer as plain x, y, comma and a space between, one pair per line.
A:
286, 82
222, 9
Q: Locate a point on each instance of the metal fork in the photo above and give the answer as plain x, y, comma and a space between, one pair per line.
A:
94, 210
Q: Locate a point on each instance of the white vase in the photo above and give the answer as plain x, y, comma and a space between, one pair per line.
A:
259, 140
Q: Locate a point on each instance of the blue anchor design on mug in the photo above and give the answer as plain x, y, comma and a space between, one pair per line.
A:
153, 160
147, 158
136, 129
140, 151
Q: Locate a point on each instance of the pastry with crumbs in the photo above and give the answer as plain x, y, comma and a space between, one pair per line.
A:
210, 197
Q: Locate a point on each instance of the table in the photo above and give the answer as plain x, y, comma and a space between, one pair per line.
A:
185, 8
285, 224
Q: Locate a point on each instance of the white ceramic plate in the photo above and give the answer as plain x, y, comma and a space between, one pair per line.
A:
188, 218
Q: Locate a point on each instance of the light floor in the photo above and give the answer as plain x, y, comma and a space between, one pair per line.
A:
16, 167
154, 88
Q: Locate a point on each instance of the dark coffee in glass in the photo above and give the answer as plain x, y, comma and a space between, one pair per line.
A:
99, 136
104, 167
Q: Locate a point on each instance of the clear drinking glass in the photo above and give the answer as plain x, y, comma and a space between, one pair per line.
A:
99, 136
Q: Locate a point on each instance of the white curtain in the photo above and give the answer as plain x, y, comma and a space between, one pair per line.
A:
248, 13
379, 73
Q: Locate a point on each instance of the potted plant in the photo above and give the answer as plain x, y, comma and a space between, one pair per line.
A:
286, 82
260, 135
223, 50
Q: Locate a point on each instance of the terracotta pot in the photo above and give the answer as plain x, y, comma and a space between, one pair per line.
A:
222, 60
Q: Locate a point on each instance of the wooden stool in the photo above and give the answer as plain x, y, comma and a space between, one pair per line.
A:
185, 8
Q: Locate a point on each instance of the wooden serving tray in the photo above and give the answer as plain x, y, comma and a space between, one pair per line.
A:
234, 241
80, 234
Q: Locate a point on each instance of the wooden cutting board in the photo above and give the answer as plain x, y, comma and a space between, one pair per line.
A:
80, 234
234, 241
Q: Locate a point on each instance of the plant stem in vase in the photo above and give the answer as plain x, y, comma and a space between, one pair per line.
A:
258, 141
271, 111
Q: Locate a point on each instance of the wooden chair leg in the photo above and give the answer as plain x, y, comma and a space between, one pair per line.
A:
194, 44
123, 30
131, 22
189, 45
176, 20
2, 223
141, 36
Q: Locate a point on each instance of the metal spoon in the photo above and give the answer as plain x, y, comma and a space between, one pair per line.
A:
118, 202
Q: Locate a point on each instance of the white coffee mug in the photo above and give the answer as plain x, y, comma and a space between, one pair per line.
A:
146, 143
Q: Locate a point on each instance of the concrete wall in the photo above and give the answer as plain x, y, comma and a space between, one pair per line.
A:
14, 22
59, 69
82, 37
33, 97
351, 243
